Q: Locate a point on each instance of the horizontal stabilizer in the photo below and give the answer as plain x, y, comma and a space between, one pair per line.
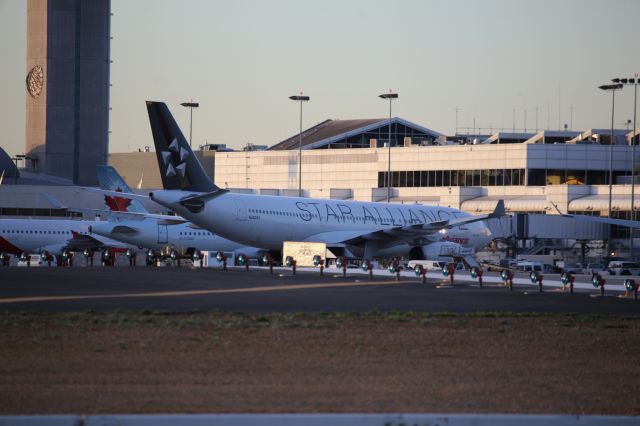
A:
131, 196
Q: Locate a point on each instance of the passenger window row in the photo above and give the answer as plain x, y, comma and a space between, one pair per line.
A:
22, 231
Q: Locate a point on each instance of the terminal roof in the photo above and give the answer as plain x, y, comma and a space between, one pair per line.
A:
330, 131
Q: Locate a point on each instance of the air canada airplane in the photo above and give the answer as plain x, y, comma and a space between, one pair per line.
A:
130, 222
358, 229
55, 236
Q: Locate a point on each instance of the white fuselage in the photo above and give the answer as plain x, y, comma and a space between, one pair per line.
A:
148, 233
267, 221
53, 235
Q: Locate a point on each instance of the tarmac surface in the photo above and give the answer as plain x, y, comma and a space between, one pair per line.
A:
236, 290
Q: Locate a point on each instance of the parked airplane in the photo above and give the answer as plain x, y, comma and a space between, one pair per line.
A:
56, 237
359, 229
130, 222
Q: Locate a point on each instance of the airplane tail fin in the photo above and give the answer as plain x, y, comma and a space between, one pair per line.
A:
179, 167
109, 179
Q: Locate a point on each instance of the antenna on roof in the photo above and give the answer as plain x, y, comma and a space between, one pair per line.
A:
457, 109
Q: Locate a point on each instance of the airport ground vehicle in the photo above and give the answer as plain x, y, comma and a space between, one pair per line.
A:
429, 265
623, 267
433, 265
35, 260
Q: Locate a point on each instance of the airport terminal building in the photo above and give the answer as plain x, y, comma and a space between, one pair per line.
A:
531, 172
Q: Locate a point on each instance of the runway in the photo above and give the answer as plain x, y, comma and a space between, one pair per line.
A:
185, 289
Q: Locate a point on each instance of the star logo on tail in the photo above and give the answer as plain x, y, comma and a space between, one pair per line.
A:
174, 159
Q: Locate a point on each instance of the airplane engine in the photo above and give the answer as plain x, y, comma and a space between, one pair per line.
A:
441, 249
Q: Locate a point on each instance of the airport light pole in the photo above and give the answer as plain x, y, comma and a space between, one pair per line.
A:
391, 96
612, 88
300, 98
632, 81
191, 105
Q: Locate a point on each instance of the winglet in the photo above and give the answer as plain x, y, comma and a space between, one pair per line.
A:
499, 211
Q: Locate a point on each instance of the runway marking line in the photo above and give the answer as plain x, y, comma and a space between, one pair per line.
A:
194, 292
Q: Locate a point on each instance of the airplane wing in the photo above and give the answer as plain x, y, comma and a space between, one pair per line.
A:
338, 237
109, 214
421, 230
413, 234
79, 242
499, 211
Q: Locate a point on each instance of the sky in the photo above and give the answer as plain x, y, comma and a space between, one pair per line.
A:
242, 59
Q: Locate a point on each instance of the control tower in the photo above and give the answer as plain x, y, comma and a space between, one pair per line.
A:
67, 84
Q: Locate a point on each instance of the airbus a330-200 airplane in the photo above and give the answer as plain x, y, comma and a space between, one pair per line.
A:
360, 229
130, 222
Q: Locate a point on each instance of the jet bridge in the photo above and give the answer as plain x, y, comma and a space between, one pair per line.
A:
536, 226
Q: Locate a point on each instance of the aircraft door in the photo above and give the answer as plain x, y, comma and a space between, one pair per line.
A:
163, 234
241, 210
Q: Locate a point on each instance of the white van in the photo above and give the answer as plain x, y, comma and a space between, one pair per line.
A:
623, 267
429, 265
433, 265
